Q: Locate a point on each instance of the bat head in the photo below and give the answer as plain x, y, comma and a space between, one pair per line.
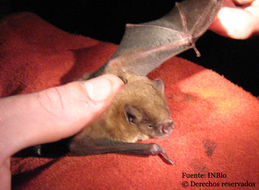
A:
148, 126
144, 107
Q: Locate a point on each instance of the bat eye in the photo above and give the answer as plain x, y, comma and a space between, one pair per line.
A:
150, 126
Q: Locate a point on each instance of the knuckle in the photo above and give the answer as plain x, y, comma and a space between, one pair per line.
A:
51, 100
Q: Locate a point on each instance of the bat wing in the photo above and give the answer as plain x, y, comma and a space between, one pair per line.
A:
146, 46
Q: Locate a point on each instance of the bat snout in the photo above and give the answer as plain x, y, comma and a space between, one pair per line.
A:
167, 126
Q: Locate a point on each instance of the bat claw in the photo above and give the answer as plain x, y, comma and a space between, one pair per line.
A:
37, 150
167, 157
198, 54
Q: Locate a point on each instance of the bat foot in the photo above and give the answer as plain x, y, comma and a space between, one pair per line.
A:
37, 150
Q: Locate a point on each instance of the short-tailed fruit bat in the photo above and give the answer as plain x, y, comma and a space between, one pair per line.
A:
140, 110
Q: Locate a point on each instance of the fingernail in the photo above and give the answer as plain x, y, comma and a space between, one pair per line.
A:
99, 89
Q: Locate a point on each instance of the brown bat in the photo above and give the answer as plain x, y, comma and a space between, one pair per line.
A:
140, 110
130, 118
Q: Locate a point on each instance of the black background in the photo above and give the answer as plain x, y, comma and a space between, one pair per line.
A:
104, 20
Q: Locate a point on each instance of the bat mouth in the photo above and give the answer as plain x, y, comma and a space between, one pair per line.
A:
161, 136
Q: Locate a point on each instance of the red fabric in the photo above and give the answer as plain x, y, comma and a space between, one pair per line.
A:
216, 121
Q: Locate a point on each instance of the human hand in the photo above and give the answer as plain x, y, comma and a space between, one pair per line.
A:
238, 19
50, 115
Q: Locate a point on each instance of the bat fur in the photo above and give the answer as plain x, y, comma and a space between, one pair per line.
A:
130, 118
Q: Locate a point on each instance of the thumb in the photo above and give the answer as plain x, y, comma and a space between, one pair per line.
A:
55, 113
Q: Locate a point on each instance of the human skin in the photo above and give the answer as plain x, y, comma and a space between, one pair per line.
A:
238, 19
50, 115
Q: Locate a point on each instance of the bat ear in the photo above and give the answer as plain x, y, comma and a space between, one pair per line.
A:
132, 114
159, 85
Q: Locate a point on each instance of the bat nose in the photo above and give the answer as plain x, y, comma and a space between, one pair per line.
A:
167, 126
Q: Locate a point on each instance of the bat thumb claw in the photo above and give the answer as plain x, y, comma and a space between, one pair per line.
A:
198, 54
156, 149
167, 157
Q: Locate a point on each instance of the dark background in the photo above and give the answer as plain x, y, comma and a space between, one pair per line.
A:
105, 20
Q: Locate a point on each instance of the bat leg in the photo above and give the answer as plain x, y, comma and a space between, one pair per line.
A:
109, 146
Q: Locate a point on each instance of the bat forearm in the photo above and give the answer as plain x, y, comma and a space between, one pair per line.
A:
108, 146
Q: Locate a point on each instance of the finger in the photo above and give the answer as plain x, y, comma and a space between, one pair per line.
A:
5, 174
55, 113
243, 2
234, 23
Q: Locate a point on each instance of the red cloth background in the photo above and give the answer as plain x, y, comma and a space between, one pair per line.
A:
216, 121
